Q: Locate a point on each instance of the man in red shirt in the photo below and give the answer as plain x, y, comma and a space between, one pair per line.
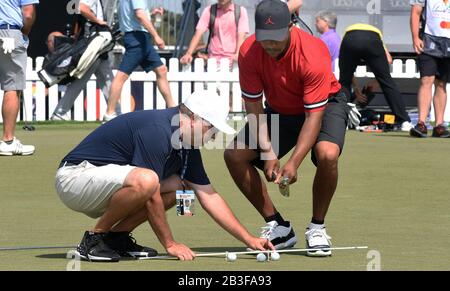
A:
305, 109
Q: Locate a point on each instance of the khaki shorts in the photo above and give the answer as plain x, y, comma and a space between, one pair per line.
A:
13, 66
87, 188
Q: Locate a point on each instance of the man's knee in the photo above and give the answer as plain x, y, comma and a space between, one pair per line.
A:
161, 71
120, 78
144, 182
441, 85
427, 81
234, 156
327, 154
228, 156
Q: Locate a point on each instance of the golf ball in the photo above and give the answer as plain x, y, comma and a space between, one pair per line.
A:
274, 256
261, 257
231, 257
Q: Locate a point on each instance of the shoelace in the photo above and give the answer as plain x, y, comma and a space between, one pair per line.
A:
318, 232
95, 239
18, 148
130, 241
266, 231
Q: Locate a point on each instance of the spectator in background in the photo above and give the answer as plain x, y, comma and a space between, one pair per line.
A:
434, 64
16, 20
225, 38
364, 42
326, 22
139, 32
92, 11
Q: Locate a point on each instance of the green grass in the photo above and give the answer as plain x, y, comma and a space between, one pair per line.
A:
392, 196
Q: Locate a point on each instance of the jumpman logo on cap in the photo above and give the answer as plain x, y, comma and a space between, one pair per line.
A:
269, 21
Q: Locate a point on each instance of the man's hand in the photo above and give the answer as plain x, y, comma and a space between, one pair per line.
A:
360, 98
159, 10
8, 45
418, 45
270, 167
289, 172
181, 251
262, 244
159, 42
102, 23
186, 59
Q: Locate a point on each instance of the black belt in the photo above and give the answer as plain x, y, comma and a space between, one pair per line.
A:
7, 26
66, 164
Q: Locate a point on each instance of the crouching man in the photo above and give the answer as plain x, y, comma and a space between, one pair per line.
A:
127, 171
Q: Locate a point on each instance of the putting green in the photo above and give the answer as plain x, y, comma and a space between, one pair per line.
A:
392, 196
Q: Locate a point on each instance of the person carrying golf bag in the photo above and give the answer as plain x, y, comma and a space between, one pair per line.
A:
76, 63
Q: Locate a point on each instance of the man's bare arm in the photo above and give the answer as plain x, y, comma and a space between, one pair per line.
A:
29, 16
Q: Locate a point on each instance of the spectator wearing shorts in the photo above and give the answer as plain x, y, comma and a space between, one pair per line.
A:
138, 40
434, 62
16, 20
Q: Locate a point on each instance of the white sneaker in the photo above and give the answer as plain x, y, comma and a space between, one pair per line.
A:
280, 236
15, 148
406, 126
60, 116
317, 238
109, 117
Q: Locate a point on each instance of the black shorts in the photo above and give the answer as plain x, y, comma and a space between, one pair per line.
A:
433, 66
334, 127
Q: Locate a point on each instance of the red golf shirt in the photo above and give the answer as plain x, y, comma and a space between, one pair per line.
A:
301, 81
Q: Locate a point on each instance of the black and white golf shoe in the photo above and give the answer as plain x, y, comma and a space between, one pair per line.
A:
94, 249
281, 236
125, 245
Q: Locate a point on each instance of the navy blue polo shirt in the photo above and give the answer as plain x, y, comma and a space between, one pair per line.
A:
141, 139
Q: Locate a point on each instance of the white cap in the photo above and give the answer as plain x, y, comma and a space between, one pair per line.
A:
209, 106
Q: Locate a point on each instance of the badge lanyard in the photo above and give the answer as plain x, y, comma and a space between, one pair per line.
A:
184, 161
185, 198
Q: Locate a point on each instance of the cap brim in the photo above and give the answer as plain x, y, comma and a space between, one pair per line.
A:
224, 127
276, 35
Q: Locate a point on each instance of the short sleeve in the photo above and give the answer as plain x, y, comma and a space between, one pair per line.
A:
195, 171
250, 80
28, 2
138, 4
203, 23
88, 2
243, 25
317, 82
151, 149
417, 2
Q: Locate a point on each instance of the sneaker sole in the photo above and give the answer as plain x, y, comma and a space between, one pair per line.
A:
91, 258
141, 254
415, 133
288, 244
318, 253
22, 154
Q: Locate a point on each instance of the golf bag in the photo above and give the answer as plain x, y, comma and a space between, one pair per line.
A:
72, 59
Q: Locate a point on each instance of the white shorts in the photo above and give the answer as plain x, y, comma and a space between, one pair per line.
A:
87, 188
